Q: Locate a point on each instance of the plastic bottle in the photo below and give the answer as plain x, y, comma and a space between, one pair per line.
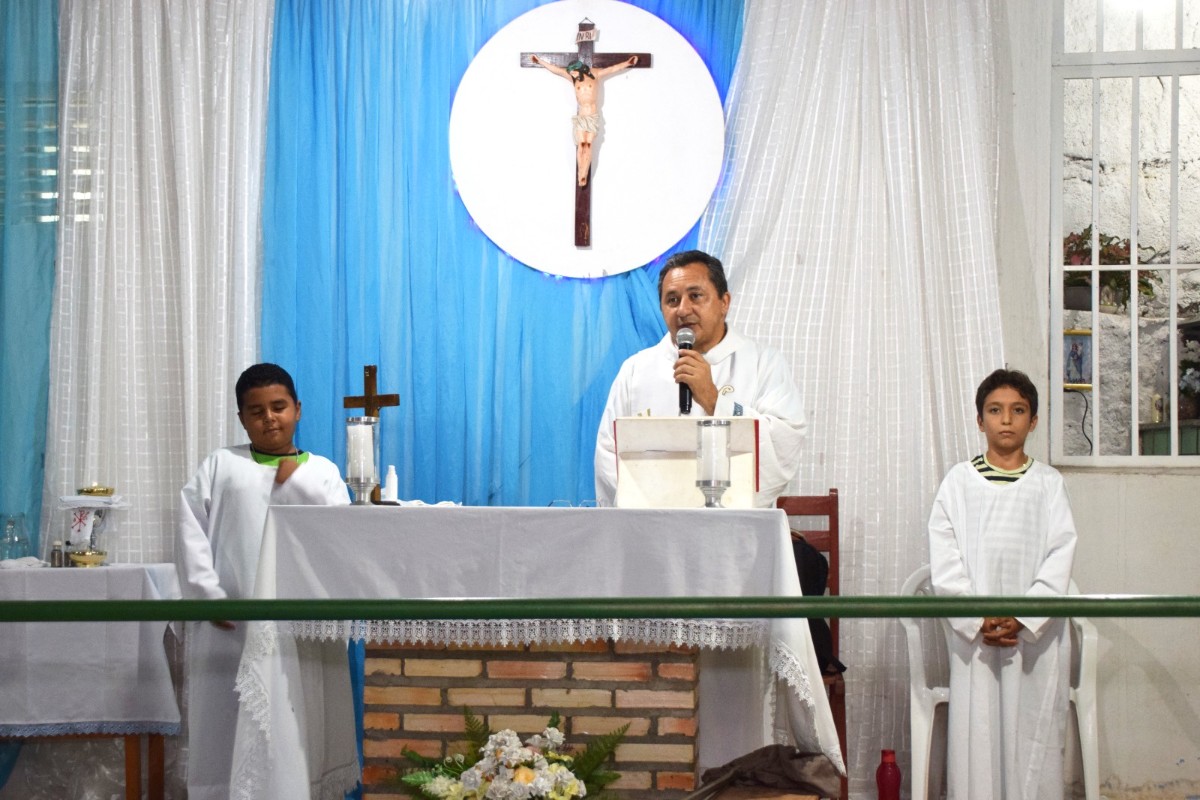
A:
887, 776
390, 485
57, 557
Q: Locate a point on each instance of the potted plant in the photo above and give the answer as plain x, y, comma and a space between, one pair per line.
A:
1114, 286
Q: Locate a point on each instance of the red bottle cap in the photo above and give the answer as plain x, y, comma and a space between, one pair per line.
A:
889, 756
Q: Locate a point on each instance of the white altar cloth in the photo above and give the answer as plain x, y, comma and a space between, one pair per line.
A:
755, 674
87, 677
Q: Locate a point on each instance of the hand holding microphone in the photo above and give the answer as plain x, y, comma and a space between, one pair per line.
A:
685, 339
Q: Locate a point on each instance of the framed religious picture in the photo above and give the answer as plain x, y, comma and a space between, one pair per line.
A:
1077, 360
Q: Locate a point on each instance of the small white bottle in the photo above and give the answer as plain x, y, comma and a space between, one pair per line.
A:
390, 485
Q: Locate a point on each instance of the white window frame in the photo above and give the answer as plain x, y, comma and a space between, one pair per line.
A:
1134, 64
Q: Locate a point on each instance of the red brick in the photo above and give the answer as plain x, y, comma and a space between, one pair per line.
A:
632, 780
675, 780
677, 671
401, 696
595, 726
381, 666
651, 698
628, 671
476, 696
393, 748
443, 667
375, 774
660, 753
453, 723
572, 698
526, 670
521, 723
677, 726
381, 721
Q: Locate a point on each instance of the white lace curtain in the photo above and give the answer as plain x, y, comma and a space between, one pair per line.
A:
857, 219
156, 299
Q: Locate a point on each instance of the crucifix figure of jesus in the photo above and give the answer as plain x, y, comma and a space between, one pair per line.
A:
584, 69
586, 121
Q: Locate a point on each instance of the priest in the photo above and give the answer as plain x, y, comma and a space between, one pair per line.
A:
726, 375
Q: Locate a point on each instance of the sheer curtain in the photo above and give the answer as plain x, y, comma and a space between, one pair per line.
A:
370, 258
857, 218
156, 307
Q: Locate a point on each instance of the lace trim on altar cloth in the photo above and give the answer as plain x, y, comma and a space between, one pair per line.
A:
110, 728
262, 640
790, 669
706, 634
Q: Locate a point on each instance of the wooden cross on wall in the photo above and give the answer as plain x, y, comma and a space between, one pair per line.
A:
585, 43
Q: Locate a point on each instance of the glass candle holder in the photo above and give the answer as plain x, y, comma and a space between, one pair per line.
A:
712, 460
362, 457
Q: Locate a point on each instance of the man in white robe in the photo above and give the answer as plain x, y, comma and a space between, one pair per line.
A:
1002, 525
728, 374
222, 512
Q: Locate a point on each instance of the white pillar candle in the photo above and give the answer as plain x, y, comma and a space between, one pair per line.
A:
360, 452
712, 452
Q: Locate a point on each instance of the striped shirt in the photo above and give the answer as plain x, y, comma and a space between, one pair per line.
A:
994, 473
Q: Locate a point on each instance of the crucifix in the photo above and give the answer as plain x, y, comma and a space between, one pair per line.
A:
584, 68
370, 401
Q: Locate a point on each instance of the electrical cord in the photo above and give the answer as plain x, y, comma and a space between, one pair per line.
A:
1083, 417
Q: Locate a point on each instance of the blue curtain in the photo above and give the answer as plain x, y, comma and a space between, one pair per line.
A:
28, 133
370, 258
29, 80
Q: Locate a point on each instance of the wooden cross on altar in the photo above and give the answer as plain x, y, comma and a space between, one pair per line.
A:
369, 401
602, 63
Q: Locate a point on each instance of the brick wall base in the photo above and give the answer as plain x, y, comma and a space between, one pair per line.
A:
414, 697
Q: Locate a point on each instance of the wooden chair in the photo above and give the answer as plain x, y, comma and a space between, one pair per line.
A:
824, 539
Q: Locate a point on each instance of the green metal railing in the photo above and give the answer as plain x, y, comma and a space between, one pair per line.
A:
601, 608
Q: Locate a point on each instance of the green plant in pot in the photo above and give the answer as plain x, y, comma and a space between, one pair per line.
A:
1114, 285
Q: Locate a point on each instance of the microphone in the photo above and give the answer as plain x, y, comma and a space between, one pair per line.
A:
685, 338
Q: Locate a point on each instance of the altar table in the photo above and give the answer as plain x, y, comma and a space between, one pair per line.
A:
759, 679
90, 678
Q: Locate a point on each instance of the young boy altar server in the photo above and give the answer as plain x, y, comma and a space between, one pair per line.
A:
1002, 525
222, 512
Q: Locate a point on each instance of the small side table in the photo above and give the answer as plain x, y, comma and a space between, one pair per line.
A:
91, 679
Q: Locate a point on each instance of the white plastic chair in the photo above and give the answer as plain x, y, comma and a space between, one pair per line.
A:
924, 698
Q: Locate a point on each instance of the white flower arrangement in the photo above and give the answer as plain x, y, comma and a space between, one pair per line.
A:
506, 769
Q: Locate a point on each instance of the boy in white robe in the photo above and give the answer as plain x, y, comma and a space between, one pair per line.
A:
222, 512
728, 374
1002, 525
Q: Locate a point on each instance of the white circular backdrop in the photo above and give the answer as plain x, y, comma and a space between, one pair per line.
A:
654, 167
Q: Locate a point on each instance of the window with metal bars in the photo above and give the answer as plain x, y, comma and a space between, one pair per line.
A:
1125, 216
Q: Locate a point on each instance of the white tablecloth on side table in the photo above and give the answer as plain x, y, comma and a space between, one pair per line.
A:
759, 678
87, 677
